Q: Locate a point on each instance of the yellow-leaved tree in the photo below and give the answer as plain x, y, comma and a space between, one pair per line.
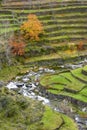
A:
32, 28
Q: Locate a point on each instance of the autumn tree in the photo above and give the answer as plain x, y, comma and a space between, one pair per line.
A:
80, 46
32, 28
17, 45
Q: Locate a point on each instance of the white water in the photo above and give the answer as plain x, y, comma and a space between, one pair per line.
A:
25, 91
33, 86
11, 85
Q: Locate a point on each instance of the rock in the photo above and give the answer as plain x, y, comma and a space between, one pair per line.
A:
25, 79
49, 70
81, 120
37, 83
29, 85
19, 84
24, 87
18, 77
44, 100
62, 66
84, 109
41, 70
31, 73
33, 85
33, 94
71, 66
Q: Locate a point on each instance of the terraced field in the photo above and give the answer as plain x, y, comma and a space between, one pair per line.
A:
72, 83
63, 21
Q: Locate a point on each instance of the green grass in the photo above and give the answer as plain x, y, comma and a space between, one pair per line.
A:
76, 84
68, 31
54, 9
54, 79
8, 30
67, 37
67, 122
59, 82
78, 73
59, 54
57, 86
78, 14
18, 112
64, 15
54, 91
57, 18
65, 25
66, 84
75, 96
7, 19
79, 96
84, 92
8, 73
8, 26
85, 68
6, 15
51, 117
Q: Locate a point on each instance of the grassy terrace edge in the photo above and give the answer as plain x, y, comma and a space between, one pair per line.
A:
67, 84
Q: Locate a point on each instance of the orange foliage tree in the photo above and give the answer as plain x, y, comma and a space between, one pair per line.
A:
32, 28
80, 46
17, 45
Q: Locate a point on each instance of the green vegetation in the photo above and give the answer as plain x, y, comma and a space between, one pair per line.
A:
68, 24
49, 117
84, 91
73, 11
66, 124
77, 73
18, 112
64, 23
8, 73
76, 83
72, 84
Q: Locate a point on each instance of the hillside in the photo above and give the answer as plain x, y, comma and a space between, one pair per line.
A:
51, 68
64, 25
69, 84
18, 112
62, 20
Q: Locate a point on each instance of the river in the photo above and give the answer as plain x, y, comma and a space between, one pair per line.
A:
28, 85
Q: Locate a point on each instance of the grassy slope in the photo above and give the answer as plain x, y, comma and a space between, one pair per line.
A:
17, 112
45, 120
59, 18
57, 32
77, 73
8, 73
55, 84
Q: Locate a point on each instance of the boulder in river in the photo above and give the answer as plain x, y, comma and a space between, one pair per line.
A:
25, 79
19, 84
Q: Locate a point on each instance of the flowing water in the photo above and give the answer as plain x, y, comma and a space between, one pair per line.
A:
28, 85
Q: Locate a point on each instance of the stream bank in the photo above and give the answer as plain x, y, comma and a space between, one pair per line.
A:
28, 85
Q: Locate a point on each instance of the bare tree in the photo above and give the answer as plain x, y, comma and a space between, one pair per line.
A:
4, 43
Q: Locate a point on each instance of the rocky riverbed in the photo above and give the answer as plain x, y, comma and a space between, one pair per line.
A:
28, 85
